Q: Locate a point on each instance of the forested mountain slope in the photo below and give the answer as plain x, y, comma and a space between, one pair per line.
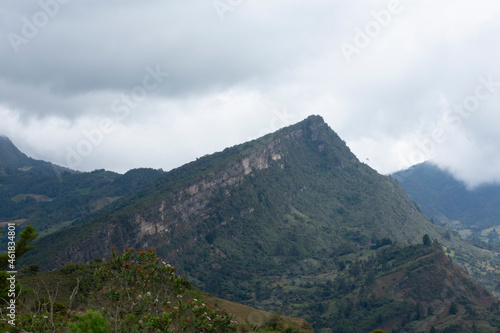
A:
254, 220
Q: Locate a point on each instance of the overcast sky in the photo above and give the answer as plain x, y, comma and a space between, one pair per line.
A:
123, 84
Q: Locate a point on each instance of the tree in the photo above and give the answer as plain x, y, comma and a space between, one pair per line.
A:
33, 269
22, 246
493, 236
26, 237
427, 240
453, 308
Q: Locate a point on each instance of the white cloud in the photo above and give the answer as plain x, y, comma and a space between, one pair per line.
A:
228, 79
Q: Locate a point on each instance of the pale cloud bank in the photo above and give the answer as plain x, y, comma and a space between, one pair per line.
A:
124, 84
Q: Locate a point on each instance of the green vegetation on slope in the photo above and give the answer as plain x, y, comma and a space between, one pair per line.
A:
473, 214
51, 201
132, 292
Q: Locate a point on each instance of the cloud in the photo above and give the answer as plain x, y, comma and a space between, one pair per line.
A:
228, 79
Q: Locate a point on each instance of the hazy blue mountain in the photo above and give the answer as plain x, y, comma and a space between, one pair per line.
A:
447, 199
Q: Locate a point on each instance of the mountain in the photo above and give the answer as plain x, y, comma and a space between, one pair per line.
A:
470, 214
442, 196
51, 197
398, 289
298, 193
11, 156
291, 222
12, 159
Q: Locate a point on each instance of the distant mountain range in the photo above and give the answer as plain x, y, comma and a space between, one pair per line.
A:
475, 213
291, 222
51, 197
11, 158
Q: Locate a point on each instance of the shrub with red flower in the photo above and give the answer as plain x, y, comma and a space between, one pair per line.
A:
139, 292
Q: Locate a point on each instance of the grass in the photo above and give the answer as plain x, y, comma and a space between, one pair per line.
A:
83, 190
55, 228
256, 318
103, 202
38, 197
18, 222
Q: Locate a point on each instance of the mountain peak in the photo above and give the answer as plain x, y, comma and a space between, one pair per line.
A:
324, 139
10, 155
314, 118
314, 121
311, 136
